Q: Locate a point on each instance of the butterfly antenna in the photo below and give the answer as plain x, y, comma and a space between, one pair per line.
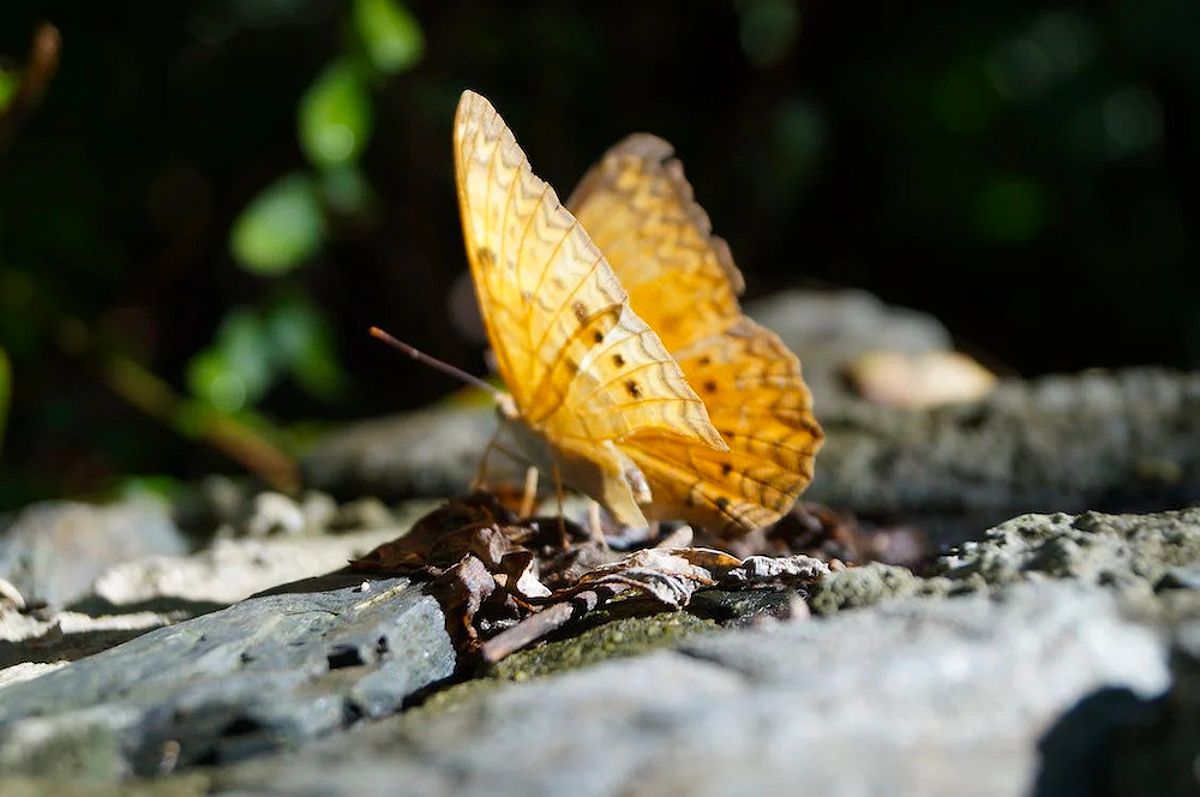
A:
434, 362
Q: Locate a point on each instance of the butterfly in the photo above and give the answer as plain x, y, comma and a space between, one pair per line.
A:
599, 396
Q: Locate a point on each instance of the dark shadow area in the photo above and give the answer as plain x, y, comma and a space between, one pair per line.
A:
54, 646
184, 608
1080, 751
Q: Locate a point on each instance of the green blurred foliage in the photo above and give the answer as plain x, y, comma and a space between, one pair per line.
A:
390, 34
10, 81
335, 116
226, 193
281, 228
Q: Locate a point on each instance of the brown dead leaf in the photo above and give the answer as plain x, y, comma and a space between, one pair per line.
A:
461, 590
412, 551
504, 583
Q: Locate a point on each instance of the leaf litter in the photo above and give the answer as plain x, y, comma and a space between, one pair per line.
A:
505, 582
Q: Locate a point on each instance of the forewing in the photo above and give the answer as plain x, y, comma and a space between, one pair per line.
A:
555, 313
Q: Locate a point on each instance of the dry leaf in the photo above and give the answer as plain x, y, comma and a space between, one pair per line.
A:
504, 584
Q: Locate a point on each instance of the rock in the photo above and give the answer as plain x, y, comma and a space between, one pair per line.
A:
319, 511
1123, 440
132, 598
213, 502
273, 670
828, 329
231, 570
920, 380
363, 513
433, 452
1133, 555
1126, 552
1117, 742
52, 552
59, 637
272, 513
1187, 577
916, 697
1126, 439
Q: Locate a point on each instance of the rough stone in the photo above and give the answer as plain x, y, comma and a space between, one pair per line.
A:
271, 671
828, 329
1126, 552
916, 697
52, 552
132, 598
433, 452
1127, 440
1134, 555
1115, 741
230, 570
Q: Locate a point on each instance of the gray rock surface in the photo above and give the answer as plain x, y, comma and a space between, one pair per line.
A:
1133, 555
1125, 440
51, 552
1128, 439
1045, 670
232, 569
827, 329
432, 452
131, 598
916, 697
269, 672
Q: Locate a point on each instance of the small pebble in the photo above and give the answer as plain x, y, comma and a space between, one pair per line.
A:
273, 513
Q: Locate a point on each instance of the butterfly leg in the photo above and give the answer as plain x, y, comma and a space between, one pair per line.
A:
595, 528
480, 482
529, 496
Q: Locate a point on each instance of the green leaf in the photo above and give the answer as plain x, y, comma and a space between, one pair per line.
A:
10, 81
211, 378
150, 486
246, 346
238, 369
304, 344
390, 33
281, 228
335, 116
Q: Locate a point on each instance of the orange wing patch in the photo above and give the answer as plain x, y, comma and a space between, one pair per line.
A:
640, 211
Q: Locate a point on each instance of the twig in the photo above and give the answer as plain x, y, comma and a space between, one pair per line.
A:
526, 632
146, 391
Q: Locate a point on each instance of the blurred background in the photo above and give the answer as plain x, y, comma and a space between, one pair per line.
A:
204, 205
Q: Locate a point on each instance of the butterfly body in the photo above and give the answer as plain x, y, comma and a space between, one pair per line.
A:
596, 394
604, 472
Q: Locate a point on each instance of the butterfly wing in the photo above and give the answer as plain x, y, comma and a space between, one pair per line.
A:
640, 211
584, 370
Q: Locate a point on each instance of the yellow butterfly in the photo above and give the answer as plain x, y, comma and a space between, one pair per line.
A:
596, 393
